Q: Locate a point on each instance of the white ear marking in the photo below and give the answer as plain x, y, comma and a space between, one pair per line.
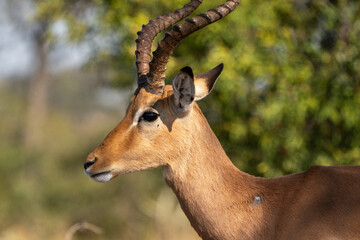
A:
205, 82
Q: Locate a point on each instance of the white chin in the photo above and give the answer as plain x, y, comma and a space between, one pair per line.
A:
104, 177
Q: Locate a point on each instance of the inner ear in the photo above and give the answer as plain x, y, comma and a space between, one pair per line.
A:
205, 82
184, 88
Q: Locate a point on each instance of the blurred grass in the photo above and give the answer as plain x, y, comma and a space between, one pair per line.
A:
44, 191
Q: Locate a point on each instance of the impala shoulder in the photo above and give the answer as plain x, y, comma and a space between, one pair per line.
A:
313, 170
333, 174
333, 170
317, 172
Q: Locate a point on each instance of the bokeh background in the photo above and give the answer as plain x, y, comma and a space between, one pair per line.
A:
288, 98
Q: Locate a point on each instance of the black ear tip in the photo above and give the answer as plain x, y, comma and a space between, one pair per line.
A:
220, 66
188, 70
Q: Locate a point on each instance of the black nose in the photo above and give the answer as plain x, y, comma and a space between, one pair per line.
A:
87, 164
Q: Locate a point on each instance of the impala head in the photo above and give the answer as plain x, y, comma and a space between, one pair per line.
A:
159, 118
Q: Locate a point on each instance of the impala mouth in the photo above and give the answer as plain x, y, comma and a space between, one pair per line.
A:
101, 176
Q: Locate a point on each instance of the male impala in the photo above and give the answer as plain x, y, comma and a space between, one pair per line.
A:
164, 127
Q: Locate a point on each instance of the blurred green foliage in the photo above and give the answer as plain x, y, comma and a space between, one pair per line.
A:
289, 95
44, 191
288, 98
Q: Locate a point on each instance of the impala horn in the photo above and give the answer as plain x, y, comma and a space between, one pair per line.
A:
151, 70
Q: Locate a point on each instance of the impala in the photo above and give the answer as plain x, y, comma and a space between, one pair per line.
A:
164, 127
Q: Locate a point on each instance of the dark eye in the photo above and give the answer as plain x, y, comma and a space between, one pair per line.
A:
149, 116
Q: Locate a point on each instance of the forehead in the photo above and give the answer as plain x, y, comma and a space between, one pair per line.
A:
143, 99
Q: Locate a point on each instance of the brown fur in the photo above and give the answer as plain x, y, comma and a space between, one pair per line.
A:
220, 201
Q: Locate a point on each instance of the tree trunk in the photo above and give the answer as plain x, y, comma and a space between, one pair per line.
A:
38, 93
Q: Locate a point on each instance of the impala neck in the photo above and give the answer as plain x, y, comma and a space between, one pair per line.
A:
208, 186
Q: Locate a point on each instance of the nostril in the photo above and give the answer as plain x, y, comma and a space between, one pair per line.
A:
87, 164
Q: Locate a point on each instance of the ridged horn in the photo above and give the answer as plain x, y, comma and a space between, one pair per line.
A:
172, 38
145, 39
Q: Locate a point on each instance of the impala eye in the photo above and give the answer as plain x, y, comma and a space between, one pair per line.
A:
149, 116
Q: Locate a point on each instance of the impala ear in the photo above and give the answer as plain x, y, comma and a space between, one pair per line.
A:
184, 88
205, 82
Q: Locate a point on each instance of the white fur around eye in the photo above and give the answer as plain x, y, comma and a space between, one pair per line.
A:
137, 116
